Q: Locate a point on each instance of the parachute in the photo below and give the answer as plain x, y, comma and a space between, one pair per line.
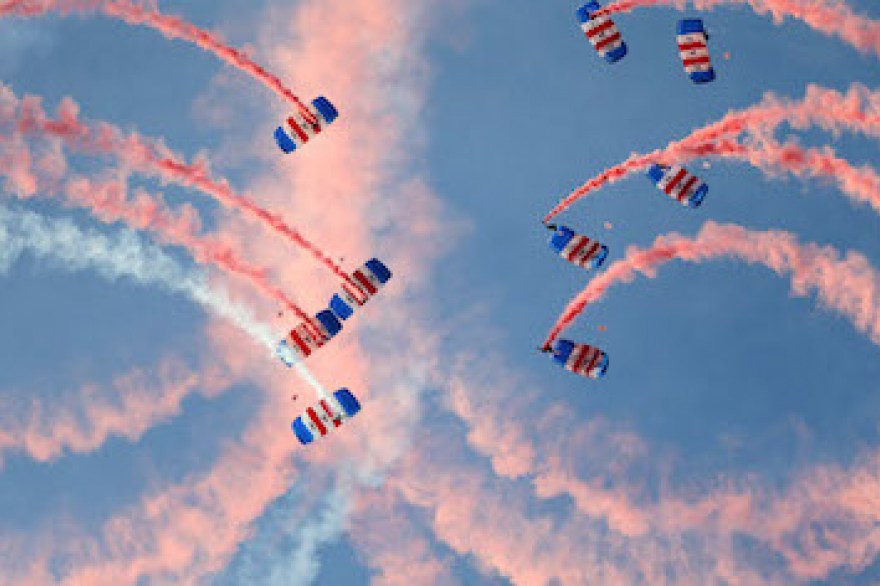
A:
577, 249
679, 184
329, 413
601, 32
694, 51
297, 130
581, 359
367, 281
307, 337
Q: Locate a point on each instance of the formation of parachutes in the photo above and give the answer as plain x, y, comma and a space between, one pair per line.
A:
363, 284
673, 180
579, 249
692, 40
311, 334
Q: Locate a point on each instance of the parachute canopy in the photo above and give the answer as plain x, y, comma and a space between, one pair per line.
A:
329, 413
577, 249
679, 184
297, 130
694, 51
367, 280
601, 32
307, 337
581, 359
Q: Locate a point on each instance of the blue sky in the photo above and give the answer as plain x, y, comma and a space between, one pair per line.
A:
717, 368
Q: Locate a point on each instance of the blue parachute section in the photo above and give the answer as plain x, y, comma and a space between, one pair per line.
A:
562, 237
342, 309
289, 138
602, 33
329, 321
302, 433
379, 269
694, 50
345, 400
348, 401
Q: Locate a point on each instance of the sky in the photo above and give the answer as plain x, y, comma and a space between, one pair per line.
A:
145, 438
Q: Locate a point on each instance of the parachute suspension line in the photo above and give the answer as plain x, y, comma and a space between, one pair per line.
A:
305, 374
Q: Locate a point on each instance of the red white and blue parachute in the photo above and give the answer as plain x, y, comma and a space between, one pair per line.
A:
328, 414
601, 32
307, 337
297, 129
679, 184
694, 51
576, 248
581, 359
367, 281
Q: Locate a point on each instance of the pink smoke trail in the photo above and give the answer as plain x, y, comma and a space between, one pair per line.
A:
849, 285
173, 27
129, 406
861, 184
857, 110
108, 202
832, 17
151, 156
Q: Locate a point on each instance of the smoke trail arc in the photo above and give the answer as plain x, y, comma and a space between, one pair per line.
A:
845, 283
151, 156
856, 110
172, 27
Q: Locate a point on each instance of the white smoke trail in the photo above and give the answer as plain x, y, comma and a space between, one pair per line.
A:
122, 254
286, 553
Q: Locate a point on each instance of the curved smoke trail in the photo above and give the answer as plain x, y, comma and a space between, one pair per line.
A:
858, 110
27, 116
849, 284
122, 255
173, 27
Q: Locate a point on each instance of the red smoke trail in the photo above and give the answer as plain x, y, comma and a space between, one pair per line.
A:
108, 202
173, 27
832, 17
857, 110
849, 285
861, 184
151, 156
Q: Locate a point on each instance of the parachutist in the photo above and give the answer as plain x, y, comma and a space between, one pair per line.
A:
299, 129
679, 184
578, 249
365, 283
601, 31
583, 359
693, 48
